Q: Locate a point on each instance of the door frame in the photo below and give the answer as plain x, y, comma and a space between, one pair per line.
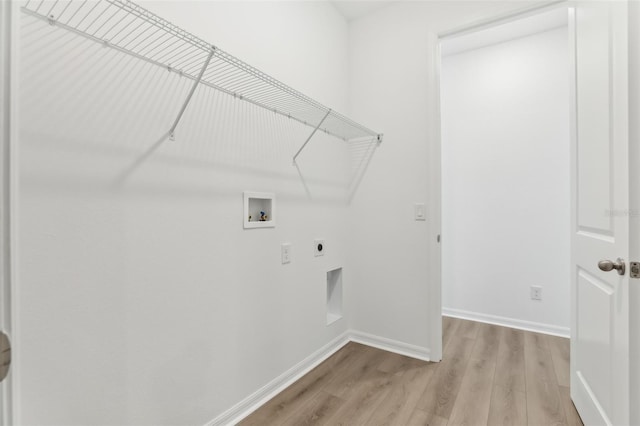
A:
634, 201
9, 10
435, 163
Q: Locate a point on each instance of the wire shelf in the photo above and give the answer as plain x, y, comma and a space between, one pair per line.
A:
131, 29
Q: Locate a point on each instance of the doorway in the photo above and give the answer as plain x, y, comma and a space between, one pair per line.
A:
505, 123
599, 204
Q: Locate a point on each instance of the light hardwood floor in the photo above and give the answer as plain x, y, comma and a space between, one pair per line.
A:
489, 375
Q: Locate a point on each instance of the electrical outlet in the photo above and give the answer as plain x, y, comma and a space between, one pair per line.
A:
286, 253
536, 292
319, 247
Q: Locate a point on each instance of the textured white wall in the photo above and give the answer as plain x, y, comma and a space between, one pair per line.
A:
142, 299
505, 180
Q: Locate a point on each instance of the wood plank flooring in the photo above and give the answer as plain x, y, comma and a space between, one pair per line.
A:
489, 375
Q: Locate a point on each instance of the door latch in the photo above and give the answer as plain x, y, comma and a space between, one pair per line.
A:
635, 269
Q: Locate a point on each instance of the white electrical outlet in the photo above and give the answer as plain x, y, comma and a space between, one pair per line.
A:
536, 292
319, 247
286, 253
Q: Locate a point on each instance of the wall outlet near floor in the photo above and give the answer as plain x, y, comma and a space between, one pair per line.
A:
286, 252
319, 247
536, 292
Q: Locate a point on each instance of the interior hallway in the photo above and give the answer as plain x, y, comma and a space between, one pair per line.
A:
489, 375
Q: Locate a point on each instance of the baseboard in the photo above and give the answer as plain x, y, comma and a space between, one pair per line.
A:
537, 327
277, 385
390, 345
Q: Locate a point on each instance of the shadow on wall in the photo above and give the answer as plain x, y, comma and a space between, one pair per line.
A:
80, 98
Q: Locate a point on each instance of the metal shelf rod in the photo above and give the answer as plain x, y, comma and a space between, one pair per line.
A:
190, 95
310, 136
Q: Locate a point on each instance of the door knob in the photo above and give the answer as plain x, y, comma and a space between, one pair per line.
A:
607, 265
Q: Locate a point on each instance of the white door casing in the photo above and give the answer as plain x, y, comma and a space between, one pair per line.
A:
8, 132
600, 221
4, 135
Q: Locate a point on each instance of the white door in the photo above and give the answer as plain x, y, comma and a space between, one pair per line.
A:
600, 222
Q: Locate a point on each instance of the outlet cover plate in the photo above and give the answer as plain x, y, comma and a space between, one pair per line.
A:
536, 292
286, 253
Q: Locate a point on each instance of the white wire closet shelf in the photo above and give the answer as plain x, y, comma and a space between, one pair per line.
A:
131, 29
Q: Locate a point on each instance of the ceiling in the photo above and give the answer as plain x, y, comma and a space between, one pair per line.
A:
354, 9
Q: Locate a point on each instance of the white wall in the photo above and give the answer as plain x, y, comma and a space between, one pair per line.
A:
141, 298
392, 84
505, 181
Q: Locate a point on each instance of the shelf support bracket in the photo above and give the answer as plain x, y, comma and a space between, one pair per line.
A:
190, 95
310, 136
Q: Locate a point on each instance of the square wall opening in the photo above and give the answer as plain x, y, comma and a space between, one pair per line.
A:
334, 295
259, 210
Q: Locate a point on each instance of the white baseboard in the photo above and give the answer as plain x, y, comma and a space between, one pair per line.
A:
391, 345
277, 385
537, 327
248, 405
